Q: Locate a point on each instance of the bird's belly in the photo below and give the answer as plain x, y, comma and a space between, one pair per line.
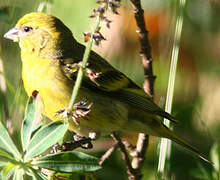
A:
55, 89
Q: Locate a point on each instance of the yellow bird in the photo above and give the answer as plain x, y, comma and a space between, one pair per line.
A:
49, 54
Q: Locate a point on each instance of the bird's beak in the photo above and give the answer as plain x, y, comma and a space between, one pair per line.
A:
12, 34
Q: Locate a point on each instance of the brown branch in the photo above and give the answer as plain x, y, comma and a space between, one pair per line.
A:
108, 154
145, 47
143, 139
131, 172
129, 147
138, 154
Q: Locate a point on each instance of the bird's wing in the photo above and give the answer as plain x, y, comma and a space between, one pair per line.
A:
139, 99
112, 82
109, 79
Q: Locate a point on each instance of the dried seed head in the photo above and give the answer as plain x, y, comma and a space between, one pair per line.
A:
107, 21
98, 37
87, 36
114, 5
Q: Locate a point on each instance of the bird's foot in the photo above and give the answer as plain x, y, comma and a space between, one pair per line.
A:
80, 110
85, 142
72, 68
56, 148
93, 75
78, 141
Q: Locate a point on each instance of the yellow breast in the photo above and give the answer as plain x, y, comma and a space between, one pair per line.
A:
45, 76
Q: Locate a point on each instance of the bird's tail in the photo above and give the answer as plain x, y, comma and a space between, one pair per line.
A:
171, 135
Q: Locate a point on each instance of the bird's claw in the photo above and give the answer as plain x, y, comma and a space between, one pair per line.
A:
87, 145
80, 110
93, 75
89, 72
72, 68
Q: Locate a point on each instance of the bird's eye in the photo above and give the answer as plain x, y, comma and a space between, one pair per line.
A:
27, 28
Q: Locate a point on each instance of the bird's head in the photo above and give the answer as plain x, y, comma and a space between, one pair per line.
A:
42, 34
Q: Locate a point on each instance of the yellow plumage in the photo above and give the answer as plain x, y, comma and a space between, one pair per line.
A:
48, 51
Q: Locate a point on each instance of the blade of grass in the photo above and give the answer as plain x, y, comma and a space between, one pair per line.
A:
165, 145
83, 66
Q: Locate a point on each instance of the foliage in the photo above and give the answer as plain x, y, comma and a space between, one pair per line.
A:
36, 138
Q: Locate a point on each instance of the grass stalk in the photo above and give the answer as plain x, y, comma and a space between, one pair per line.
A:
165, 145
83, 66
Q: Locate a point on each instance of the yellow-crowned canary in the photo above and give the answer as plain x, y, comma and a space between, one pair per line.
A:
49, 54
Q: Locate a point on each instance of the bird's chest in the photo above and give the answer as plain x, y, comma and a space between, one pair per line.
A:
46, 77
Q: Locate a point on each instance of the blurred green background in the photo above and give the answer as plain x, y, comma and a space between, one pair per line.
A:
197, 91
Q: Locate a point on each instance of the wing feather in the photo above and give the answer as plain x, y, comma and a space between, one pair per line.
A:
113, 83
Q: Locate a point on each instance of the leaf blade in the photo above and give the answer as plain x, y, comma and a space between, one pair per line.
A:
6, 142
32, 116
71, 161
18, 174
7, 171
45, 138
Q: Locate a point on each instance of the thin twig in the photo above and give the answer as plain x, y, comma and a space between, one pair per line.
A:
143, 139
131, 172
108, 154
139, 155
145, 48
129, 147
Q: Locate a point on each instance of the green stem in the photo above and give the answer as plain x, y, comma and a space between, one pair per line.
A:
83, 66
165, 146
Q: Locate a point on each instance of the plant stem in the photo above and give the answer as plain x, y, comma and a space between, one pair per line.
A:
165, 146
83, 66
143, 139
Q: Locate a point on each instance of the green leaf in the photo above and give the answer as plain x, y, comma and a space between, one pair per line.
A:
32, 117
8, 170
215, 157
6, 142
39, 176
36, 174
18, 174
68, 162
5, 154
87, 176
7, 157
44, 138
2, 164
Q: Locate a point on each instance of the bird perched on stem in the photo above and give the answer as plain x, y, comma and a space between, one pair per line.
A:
50, 55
